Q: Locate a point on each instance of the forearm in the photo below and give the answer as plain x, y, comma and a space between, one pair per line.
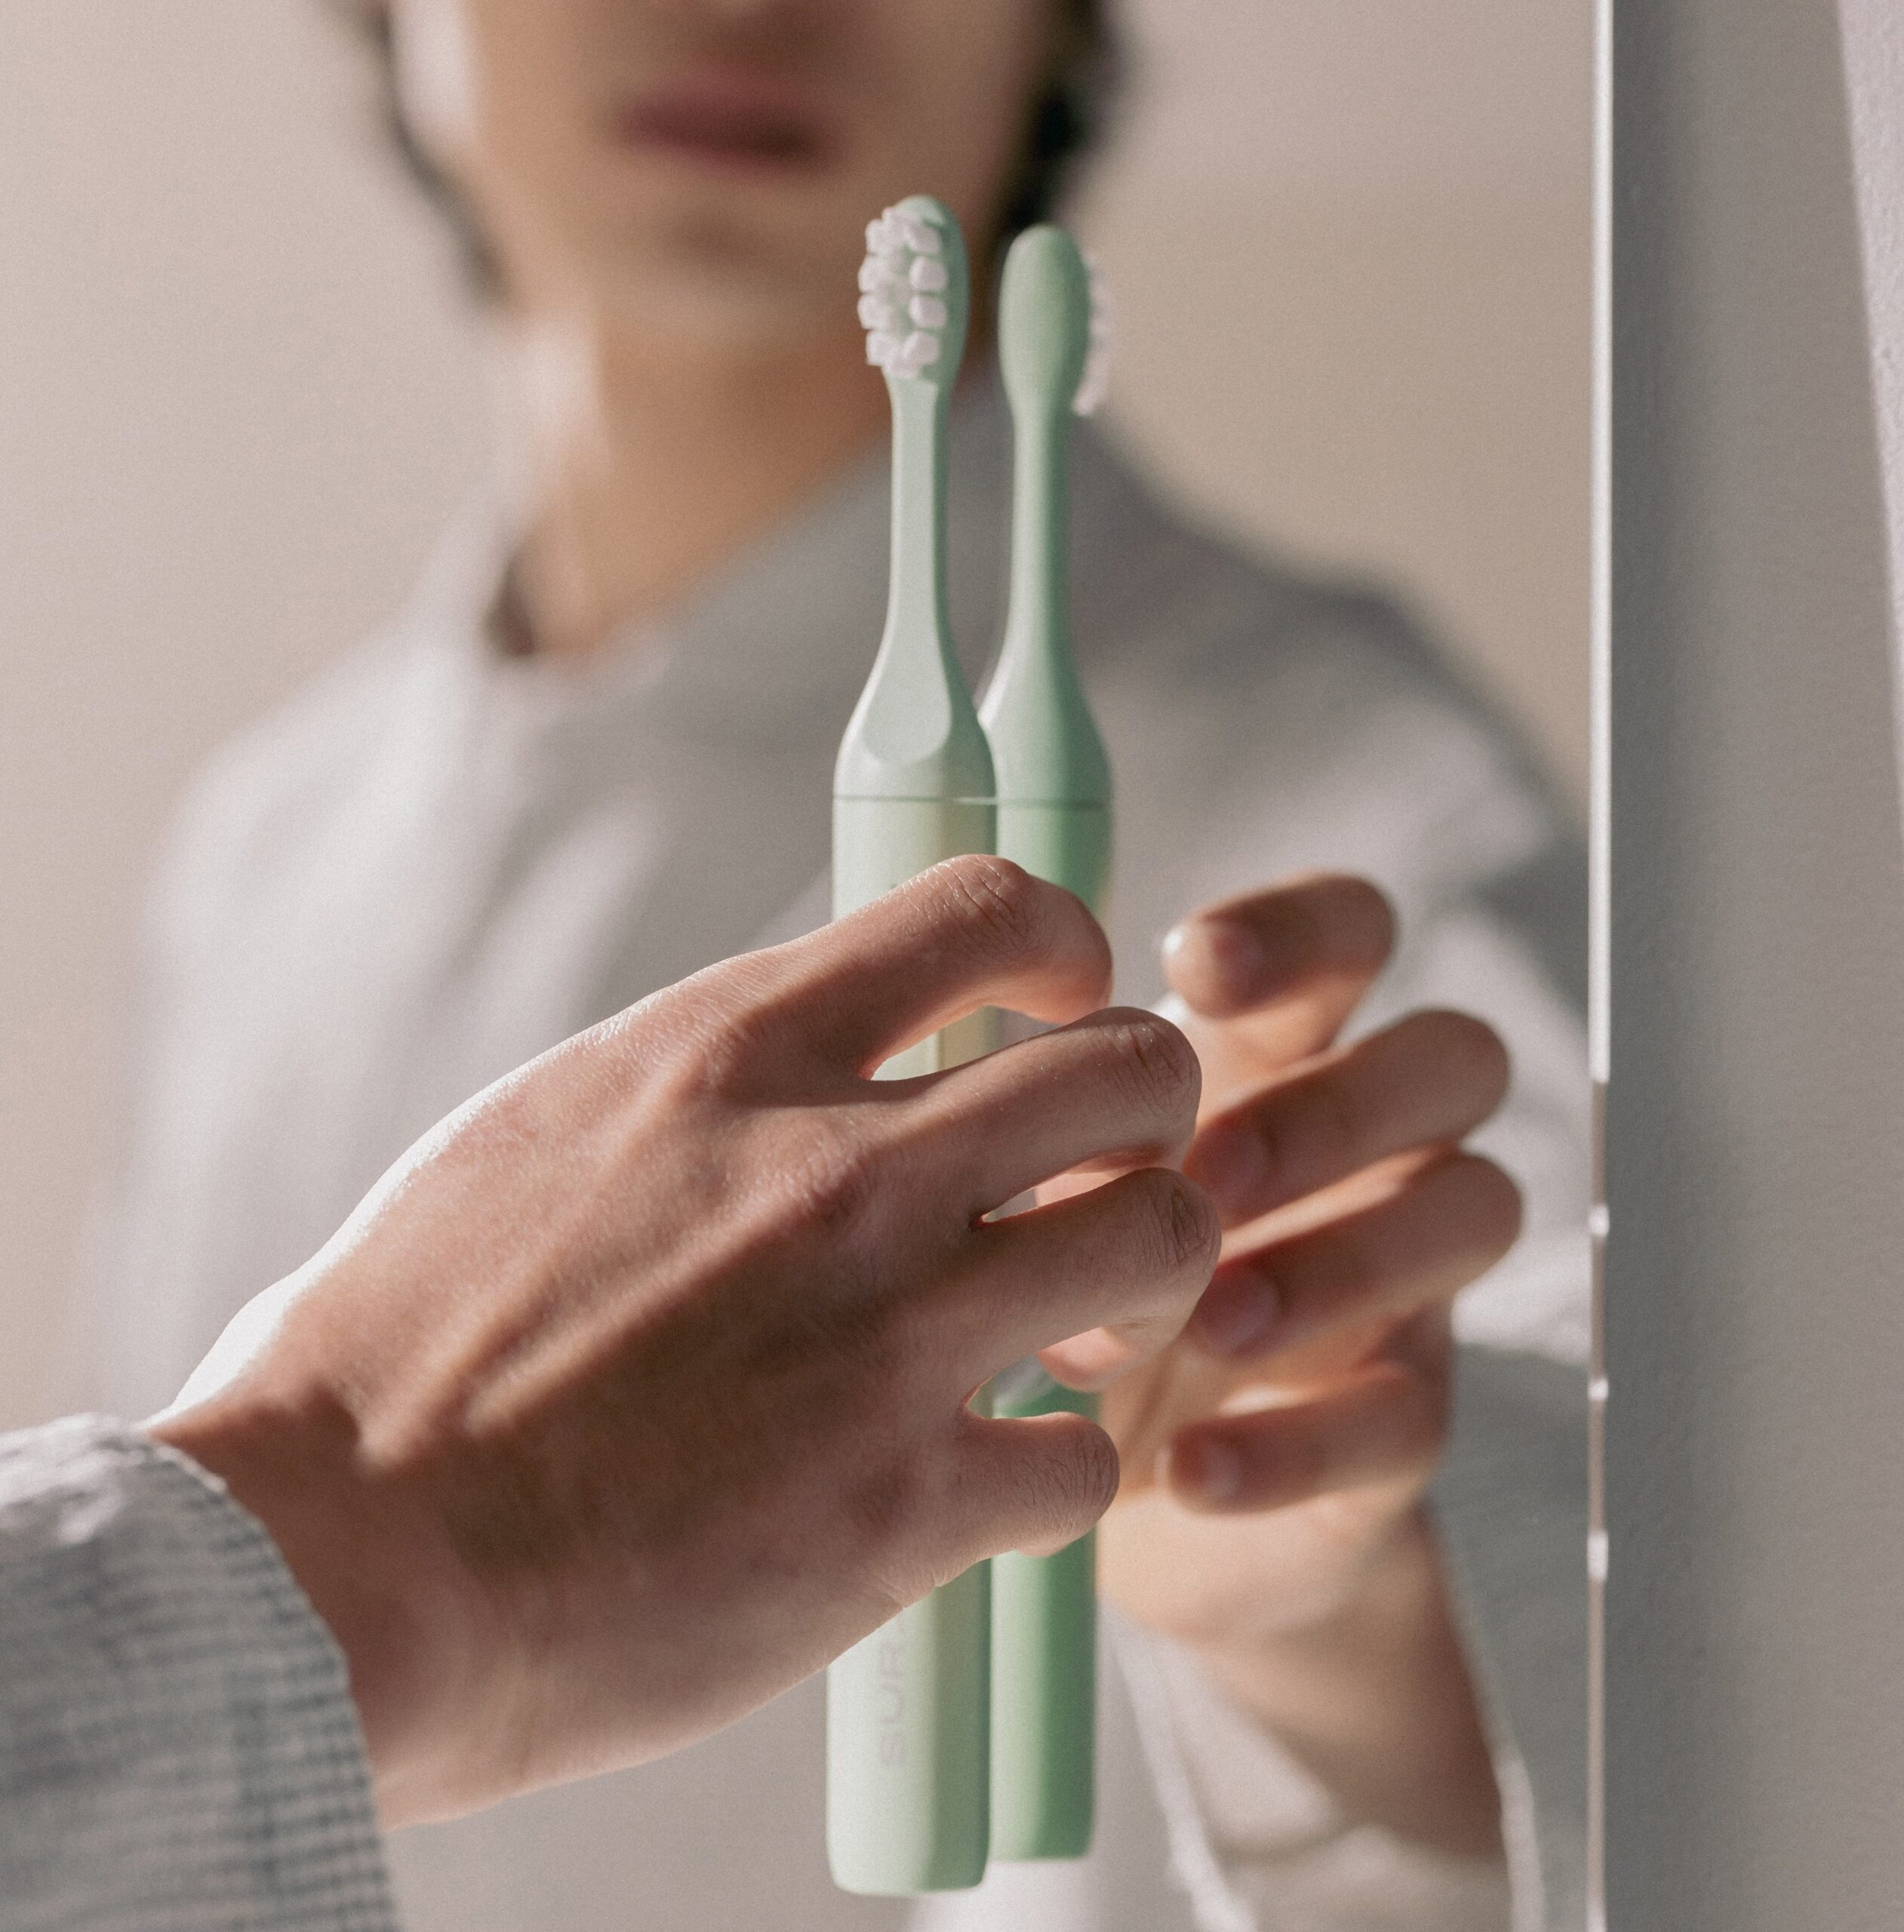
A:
1376, 1702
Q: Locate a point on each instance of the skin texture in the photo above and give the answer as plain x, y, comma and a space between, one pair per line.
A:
636, 1391
684, 372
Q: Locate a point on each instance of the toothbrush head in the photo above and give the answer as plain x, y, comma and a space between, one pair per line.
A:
915, 292
1053, 333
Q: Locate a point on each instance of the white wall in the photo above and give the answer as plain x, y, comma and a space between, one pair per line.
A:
237, 394
1755, 1310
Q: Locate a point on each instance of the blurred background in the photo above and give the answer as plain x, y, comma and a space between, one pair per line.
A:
241, 391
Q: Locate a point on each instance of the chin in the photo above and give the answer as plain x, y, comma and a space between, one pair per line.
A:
727, 291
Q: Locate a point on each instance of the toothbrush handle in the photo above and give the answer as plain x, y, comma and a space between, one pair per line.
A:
1044, 1683
907, 1747
1045, 1608
909, 1707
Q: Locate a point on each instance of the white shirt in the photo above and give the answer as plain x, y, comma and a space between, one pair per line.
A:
178, 1748
437, 861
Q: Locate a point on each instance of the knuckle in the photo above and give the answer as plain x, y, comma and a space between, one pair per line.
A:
1000, 903
701, 1040
1338, 1271
709, 1059
1500, 1206
1369, 912
1339, 918
882, 1506
1160, 1062
1328, 1135
1067, 1482
1091, 1473
1470, 1047
1305, 1461
832, 1176
1181, 1223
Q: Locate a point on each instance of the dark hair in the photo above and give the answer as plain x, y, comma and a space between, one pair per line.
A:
1069, 116
372, 21
1067, 121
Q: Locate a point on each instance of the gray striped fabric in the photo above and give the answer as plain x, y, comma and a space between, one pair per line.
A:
178, 1748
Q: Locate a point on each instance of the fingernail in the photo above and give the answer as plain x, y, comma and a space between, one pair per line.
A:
1175, 940
1229, 1162
1235, 1317
1208, 1466
1233, 953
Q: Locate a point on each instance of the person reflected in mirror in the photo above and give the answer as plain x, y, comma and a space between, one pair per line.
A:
593, 754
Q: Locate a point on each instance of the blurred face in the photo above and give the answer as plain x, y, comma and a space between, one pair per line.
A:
713, 163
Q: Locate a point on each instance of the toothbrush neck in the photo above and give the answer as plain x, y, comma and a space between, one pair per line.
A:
1041, 522
917, 593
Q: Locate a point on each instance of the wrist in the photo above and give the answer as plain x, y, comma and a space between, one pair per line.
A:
365, 1558
1374, 1698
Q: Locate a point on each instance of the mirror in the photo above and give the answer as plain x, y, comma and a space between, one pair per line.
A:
488, 546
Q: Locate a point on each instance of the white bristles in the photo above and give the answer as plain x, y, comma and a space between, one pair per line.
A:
1095, 383
899, 282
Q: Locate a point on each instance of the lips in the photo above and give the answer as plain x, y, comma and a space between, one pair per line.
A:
728, 122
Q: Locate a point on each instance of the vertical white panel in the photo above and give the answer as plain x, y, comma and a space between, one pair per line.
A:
1755, 1123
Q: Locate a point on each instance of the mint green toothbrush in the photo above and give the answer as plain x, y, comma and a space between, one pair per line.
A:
1054, 819
908, 1707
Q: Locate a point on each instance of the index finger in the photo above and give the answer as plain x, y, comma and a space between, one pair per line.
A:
1290, 963
974, 931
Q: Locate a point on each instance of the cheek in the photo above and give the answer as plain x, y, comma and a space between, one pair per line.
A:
963, 73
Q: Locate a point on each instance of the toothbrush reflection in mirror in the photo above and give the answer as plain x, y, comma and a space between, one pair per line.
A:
1054, 819
908, 1707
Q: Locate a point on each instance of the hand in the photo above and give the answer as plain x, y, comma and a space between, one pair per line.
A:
1275, 1458
637, 1390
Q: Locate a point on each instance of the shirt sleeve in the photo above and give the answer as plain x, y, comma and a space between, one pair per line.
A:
179, 1751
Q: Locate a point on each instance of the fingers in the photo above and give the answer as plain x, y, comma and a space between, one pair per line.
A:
1118, 1088
1129, 1257
973, 932
1293, 961
1430, 1078
1386, 1424
1036, 1485
1436, 1229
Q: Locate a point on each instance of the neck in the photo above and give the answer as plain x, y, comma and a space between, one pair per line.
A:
650, 463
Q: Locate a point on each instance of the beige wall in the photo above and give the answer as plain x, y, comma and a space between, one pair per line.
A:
237, 395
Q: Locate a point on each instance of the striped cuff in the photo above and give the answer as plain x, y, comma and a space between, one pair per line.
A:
179, 1751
